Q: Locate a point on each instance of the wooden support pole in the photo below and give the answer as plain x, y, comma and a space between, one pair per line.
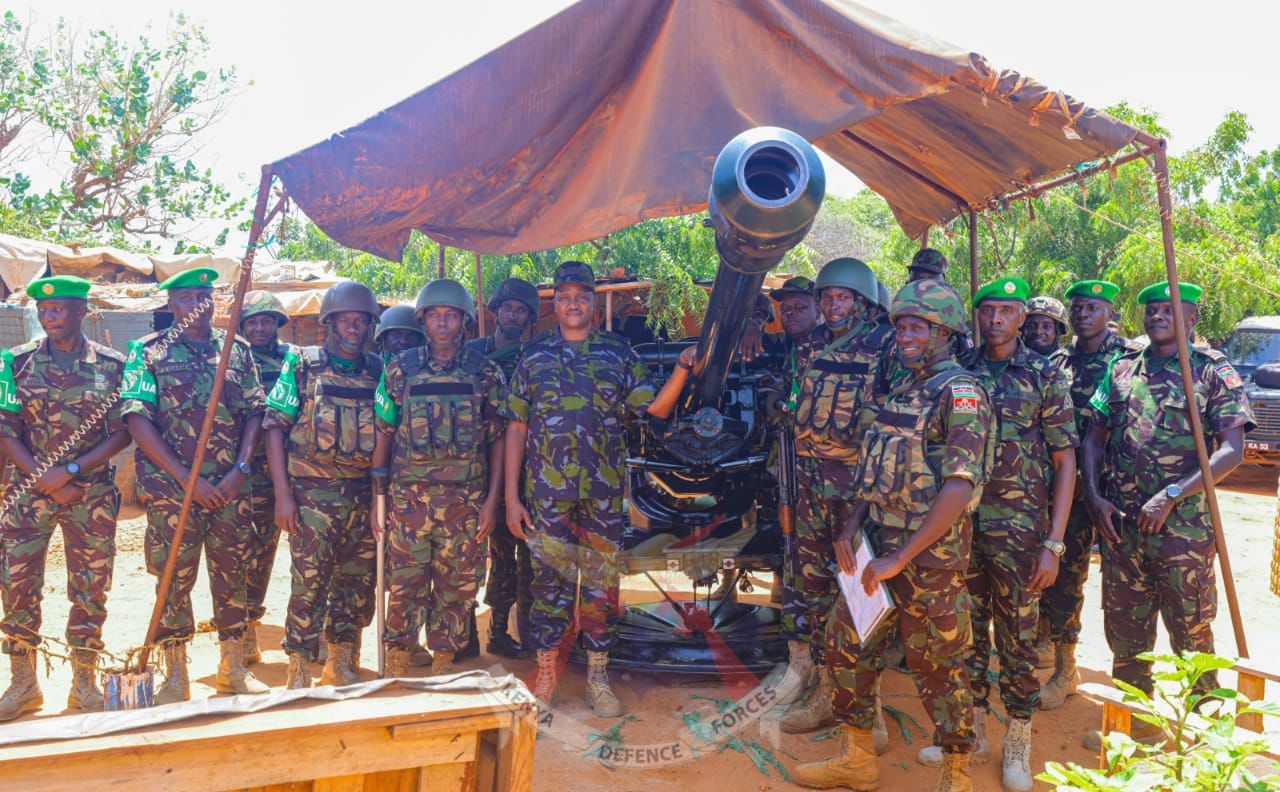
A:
480, 331
973, 269
1161, 166
440, 262
206, 428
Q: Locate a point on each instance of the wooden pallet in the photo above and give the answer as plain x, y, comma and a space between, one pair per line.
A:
399, 741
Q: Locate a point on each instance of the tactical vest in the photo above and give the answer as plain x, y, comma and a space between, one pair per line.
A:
894, 472
831, 393
336, 427
439, 439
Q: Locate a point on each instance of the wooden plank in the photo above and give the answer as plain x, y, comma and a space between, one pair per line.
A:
457, 777
295, 786
1115, 717
346, 783
469, 723
404, 780
487, 762
1254, 668
1254, 688
516, 744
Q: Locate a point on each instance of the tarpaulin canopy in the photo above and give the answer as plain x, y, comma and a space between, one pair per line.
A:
613, 112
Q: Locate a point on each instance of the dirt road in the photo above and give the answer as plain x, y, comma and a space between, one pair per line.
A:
660, 706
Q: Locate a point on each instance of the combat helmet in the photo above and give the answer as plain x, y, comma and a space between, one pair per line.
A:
884, 299
263, 302
446, 292
348, 296
933, 301
515, 289
398, 317
851, 274
1050, 307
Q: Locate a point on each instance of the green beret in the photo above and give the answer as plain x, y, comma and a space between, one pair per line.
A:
65, 286
1094, 289
198, 278
1003, 289
1159, 292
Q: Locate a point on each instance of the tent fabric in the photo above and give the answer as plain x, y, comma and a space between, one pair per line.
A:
24, 260
102, 264
611, 113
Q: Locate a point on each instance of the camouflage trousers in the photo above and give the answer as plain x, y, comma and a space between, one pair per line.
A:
510, 578
433, 563
89, 540
932, 621
795, 613
576, 549
262, 545
823, 488
1150, 576
333, 572
1063, 602
1003, 559
223, 536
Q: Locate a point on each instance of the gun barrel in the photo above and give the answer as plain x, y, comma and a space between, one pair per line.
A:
766, 187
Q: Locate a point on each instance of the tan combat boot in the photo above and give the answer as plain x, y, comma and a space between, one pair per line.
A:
299, 674
441, 663
338, 668
1065, 679
177, 685
814, 712
603, 703
24, 693
84, 695
1044, 646
252, 652
1015, 770
955, 774
855, 767
796, 677
879, 730
544, 684
420, 656
932, 756
396, 663
233, 676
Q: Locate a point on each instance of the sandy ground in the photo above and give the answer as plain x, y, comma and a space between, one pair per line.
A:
660, 705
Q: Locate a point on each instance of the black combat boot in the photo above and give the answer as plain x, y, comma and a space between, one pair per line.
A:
500, 643
472, 649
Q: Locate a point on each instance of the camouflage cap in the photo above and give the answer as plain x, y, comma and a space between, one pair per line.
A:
929, 260
574, 272
933, 301
1050, 307
797, 285
263, 302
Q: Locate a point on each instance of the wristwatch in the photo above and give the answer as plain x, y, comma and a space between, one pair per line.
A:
243, 467
1173, 492
1057, 548
73, 469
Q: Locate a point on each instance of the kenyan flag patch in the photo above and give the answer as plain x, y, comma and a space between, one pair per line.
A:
964, 398
1228, 373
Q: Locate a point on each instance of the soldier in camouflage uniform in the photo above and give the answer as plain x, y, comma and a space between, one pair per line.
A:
438, 406
51, 390
1085, 360
570, 396
320, 439
924, 456
926, 264
397, 331
1045, 326
832, 388
1157, 538
261, 318
515, 307
168, 383
1019, 525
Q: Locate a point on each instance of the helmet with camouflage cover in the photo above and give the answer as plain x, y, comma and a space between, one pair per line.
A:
851, 274
933, 301
444, 292
398, 317
263, 302
1050, 307
348, 296
518, 290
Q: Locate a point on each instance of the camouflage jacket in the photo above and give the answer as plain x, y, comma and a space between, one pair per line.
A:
329, 422
1031, 404
930, 428
505, 358
50, 404
269, 361
834, 384
1142, 404
1086, 369
575, 403
173, 391
444, 417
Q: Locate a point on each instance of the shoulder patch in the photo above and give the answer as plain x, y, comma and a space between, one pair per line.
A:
1230, 377
26, 348
964, 397
151, 338
108, 352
